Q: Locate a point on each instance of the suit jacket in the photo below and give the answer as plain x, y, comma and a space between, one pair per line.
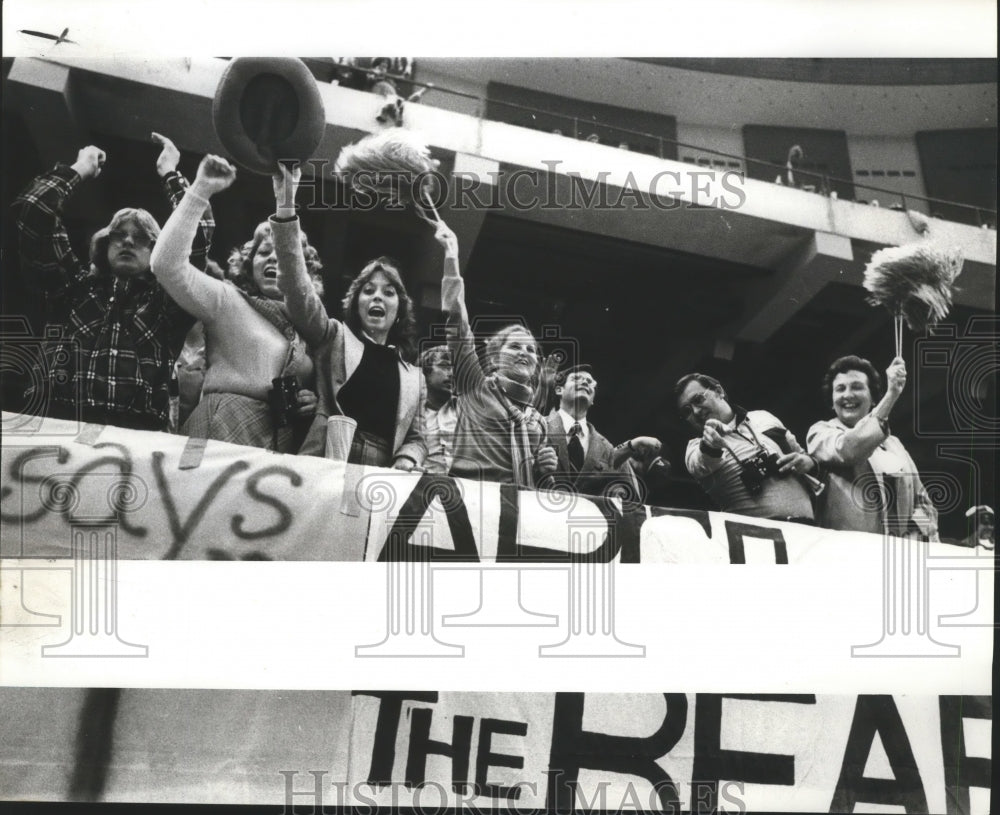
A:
337, 353
597, 470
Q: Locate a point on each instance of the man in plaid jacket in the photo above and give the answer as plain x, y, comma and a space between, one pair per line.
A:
120, 332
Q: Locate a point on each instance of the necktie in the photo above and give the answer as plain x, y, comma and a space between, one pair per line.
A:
575, 447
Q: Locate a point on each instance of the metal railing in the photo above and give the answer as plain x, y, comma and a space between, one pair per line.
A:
667, 148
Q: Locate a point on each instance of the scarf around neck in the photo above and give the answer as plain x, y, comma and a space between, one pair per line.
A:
518, 392
274, 312
509, 392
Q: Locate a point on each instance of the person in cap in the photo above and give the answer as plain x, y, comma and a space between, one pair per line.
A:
440, 409
587, 460
747, 461
120, 330
258, 381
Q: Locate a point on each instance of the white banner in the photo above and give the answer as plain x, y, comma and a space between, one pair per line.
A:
535, 752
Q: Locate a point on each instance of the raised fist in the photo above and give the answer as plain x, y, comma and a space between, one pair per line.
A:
895, 376
546, 460
89, 161
447, 238
214, 175
712, 434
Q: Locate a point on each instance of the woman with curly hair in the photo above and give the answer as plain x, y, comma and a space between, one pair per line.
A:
873, 484
249, 340
365, 364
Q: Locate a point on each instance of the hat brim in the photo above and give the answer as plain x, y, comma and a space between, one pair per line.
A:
266, 110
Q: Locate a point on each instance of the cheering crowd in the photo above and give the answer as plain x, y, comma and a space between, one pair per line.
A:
280, 373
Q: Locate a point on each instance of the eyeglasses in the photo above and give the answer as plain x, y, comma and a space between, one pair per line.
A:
119, 236
695, 401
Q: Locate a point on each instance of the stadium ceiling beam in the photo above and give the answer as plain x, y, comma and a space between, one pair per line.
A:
45, 92
758, 229
821, 259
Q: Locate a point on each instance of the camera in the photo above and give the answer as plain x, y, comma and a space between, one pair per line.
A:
963, 365
283, 400
754, 470
35, 370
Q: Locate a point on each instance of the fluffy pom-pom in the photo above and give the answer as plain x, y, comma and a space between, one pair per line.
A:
388, 163
914, 281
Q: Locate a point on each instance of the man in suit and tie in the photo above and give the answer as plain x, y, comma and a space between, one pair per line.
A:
587, 460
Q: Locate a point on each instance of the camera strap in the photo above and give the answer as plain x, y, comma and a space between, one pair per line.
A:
752, 440
274, 313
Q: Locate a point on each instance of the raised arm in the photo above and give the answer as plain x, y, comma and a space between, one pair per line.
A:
47, 259
305, 308
199, 294
174, 186
469, 377
833, 445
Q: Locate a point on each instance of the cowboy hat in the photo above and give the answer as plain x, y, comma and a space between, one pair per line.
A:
268, 109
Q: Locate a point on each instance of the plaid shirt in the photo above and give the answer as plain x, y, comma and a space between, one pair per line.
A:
110, 341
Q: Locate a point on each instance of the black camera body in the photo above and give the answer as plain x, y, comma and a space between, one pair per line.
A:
283, 400
753, 471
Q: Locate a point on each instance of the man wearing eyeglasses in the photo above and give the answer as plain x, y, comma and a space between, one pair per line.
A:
116, 332
747, 461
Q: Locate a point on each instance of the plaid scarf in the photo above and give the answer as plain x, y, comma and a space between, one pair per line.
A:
274, 312
521, 416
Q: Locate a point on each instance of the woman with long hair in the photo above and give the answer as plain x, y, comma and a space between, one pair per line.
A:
249, 340
365, 364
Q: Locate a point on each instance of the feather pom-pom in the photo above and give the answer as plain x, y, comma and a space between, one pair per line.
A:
914, 281
394, 163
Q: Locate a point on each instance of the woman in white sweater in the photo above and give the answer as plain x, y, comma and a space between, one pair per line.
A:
249, 340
